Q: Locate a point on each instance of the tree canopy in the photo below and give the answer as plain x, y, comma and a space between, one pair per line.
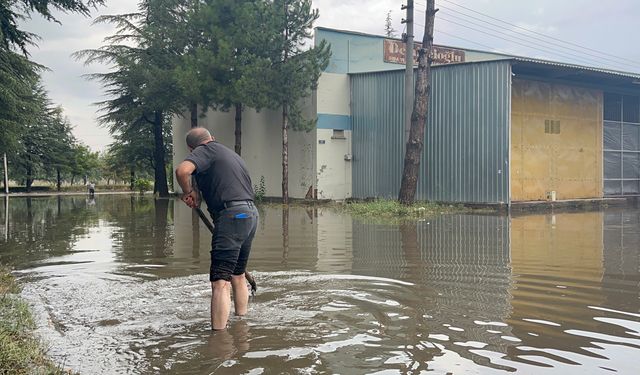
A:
11, 12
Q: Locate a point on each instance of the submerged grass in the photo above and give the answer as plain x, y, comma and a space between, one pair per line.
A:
20, 351
395, 210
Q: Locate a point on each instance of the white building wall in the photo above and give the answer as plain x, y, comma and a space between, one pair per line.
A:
261, 147
333, 137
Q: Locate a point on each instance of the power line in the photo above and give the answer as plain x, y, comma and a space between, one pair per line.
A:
616, 61
545, 47
524, 44
534, 32
468, 40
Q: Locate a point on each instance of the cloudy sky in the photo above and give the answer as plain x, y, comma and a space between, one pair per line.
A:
609, 32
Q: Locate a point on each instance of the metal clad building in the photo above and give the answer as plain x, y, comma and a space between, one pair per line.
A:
377, 115
500, 128
466, 151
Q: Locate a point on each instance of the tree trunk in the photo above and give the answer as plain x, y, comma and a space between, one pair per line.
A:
5, 175
415, 142
285, 234
132, 179
194, 115
285, 156
285, 116
161, 186
238, 133
160, 229
58, 179
29, 177
84, 179
29, 216
73, 179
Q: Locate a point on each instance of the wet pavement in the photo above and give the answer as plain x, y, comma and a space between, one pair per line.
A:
119, 285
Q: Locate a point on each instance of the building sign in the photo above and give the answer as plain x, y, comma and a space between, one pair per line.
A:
394, 52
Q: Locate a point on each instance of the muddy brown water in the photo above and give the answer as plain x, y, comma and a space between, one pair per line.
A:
119, 285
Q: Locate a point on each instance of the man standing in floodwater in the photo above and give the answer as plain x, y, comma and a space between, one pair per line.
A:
223, 178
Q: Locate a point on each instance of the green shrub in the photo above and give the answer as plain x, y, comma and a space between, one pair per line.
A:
260, 190
142, 185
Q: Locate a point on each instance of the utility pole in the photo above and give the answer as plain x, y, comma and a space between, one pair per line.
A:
408, 75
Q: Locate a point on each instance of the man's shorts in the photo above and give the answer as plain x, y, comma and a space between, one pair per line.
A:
234, 230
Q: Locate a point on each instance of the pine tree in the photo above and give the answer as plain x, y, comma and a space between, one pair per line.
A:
143, 89
295, 69
389, 31
223, 64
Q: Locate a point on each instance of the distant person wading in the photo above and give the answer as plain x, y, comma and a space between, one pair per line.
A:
225, 184
92, 189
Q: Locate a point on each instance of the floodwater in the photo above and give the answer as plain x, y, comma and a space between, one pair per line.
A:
119, 285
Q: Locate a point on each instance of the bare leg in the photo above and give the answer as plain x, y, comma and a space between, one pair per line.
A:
240, 294
220, 304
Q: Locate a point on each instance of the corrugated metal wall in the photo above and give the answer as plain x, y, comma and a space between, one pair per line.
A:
466, 146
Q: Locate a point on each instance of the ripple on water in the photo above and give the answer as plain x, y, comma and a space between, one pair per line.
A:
308, 321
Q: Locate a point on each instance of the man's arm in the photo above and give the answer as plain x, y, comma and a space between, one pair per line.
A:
183, 175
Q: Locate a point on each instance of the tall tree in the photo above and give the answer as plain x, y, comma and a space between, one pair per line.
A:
219, 66
132, 154
12, 12
295, 70
143, 88
85, 163
415, 142
58, 155
389, 31
18, 105
18, 75
28, 158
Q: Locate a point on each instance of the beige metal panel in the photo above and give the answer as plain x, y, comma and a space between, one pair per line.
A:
568, 160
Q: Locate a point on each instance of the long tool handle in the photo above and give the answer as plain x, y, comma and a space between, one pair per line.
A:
204, 219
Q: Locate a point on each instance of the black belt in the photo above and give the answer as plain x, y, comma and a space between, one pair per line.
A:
228, 204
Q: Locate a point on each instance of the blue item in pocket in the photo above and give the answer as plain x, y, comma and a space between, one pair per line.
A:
241, 216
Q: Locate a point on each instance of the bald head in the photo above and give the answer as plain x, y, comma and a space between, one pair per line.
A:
198, 136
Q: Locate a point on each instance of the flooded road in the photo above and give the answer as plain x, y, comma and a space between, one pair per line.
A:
120, 285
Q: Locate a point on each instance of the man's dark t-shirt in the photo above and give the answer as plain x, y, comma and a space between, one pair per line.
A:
221, 175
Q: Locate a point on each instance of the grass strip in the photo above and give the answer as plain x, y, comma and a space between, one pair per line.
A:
394, 209
20, 351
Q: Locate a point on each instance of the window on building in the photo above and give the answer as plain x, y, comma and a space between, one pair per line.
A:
612, 107
338, 134
621, 144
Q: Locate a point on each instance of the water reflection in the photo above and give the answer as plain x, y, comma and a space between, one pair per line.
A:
39, 228
461, 267
124, 282
285, 233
